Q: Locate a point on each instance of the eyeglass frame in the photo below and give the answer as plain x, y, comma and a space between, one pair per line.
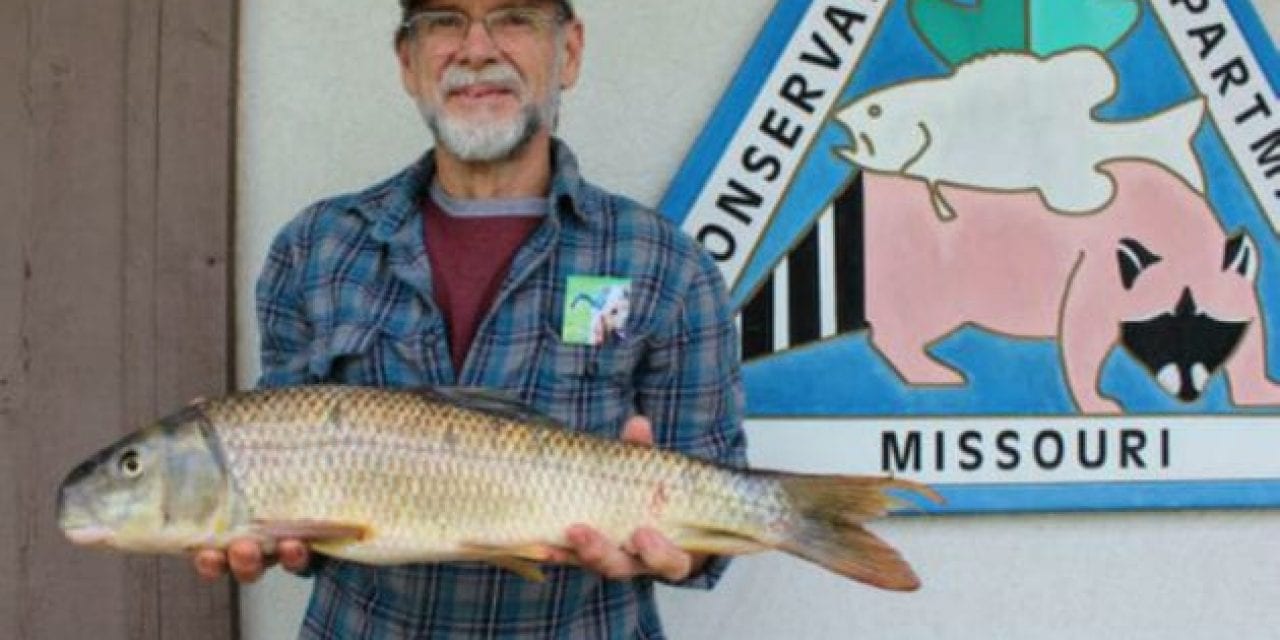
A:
559, 17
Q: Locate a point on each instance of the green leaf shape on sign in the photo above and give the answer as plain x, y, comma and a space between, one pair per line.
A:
1058, 25
958, 33
961, 32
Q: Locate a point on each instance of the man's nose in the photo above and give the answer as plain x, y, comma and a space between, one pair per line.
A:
478, 47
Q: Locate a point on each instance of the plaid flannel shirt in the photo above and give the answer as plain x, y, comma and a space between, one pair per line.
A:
346, 297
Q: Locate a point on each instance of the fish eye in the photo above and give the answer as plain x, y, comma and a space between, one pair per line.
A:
129, 464
875, 111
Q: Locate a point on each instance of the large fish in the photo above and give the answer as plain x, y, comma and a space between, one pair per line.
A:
386, 477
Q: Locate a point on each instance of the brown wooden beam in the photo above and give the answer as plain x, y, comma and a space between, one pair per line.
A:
115, 298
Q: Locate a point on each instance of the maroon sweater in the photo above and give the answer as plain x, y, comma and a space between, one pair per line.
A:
470, 256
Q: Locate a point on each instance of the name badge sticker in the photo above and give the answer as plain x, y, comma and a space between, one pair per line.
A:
596, 310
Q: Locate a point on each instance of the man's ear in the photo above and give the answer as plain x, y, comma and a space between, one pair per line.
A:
574, 41
404, 56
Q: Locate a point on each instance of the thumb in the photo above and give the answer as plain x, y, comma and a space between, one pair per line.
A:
638, 430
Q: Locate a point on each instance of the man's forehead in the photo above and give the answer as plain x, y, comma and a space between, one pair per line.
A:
466, 5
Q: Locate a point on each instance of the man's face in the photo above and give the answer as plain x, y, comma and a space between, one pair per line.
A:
485, 95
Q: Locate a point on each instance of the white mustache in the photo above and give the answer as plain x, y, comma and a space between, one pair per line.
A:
502, 75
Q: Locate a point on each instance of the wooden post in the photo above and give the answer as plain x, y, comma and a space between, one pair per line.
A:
117, 119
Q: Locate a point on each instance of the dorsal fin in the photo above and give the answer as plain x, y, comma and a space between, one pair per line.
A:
504, 404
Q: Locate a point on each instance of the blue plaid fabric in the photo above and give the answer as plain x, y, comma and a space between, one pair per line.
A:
346, 297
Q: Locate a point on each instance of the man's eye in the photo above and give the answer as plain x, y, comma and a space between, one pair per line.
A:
514, 19
445, 22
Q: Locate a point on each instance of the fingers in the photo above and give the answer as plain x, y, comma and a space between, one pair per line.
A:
211, 564
660, 556
597, 553
648, 553
247, 560
294, 555
638, 430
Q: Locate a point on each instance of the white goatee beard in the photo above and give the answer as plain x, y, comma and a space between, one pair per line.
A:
482, 140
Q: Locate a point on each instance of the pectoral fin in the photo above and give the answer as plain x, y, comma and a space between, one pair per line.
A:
312, 530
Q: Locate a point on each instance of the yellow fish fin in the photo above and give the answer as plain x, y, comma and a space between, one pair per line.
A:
715, 541
312, 530
521, 560
829, 531
534, 551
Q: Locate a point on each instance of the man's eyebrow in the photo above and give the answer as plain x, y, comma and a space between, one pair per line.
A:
438, 6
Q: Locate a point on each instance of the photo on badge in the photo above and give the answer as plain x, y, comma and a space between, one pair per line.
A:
596, 310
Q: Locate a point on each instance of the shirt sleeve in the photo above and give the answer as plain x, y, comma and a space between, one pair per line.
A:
286, 333
693, 389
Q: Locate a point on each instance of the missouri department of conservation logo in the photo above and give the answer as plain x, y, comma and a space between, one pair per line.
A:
1008, 243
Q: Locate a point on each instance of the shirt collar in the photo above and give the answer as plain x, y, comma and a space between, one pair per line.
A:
393, 203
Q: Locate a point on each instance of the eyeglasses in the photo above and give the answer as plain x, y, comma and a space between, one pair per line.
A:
447, 28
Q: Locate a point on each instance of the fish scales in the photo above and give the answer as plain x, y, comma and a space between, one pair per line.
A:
436, 477
384, 477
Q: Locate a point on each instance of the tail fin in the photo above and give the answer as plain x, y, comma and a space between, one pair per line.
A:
1169, 138
831, 510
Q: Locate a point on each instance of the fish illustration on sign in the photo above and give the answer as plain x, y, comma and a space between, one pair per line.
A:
1050, 141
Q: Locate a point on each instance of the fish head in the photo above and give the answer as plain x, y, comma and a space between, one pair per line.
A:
886, 131
163, 489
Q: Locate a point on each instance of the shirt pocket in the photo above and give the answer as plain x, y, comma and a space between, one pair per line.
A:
591, 388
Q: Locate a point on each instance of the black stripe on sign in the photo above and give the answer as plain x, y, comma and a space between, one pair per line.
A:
851, 302
757, 323
804, 305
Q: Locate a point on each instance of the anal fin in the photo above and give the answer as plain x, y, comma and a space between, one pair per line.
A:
525, 569
717, 542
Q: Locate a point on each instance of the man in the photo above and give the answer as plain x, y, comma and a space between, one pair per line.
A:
465, 269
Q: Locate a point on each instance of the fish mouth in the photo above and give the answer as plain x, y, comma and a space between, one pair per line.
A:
871, 146
90, 535
78, 520
866, 143
928, 142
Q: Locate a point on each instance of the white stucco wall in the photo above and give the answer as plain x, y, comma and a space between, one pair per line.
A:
321, 112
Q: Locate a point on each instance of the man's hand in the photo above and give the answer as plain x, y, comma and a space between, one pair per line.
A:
648, 552
247, 560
